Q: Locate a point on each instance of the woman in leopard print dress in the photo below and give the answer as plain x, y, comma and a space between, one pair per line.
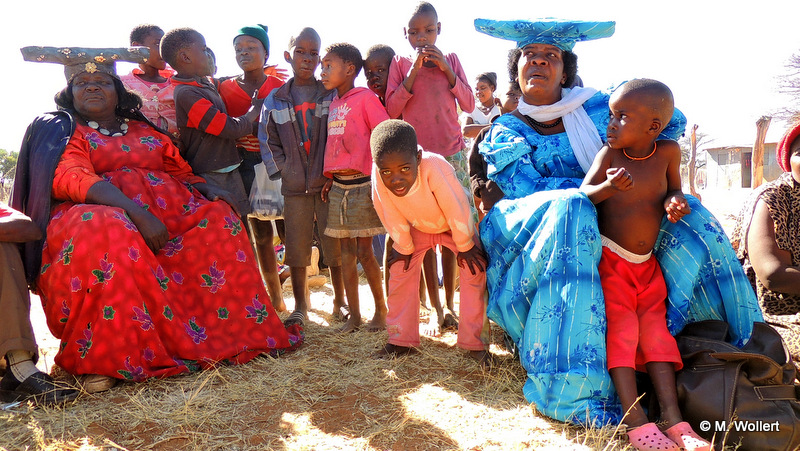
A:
767, 240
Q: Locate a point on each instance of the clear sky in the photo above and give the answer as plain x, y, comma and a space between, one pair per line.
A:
720, 58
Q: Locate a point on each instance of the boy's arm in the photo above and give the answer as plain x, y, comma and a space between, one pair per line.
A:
263, 137
204, 116
675, 203
462, 90
603, 181
274, 148
396, 94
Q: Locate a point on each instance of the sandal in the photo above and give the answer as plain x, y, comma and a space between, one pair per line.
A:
648, 437
342, 313
96, 383
296, 317
683, 434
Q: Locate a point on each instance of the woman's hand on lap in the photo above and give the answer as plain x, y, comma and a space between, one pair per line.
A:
153, 231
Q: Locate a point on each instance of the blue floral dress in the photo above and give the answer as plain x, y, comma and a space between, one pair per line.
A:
544, 288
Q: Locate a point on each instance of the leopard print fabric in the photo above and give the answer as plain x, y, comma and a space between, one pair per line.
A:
782, 198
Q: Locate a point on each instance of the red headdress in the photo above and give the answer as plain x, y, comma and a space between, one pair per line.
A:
784, 150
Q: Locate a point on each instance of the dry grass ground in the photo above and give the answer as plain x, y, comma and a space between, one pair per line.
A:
328, 395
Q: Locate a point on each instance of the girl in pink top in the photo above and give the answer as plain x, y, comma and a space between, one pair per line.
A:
424, 91
352, 219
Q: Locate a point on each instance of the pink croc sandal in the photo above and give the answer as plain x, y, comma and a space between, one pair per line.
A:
686, 438
649, 438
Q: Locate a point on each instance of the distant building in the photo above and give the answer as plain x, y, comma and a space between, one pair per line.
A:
730, 167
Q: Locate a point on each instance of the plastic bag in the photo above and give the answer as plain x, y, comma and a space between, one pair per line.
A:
266, 199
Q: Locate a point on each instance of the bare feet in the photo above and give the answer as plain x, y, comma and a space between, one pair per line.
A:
377, 323
391, 351
352, 324
433, 327
450, 321
280, 307
484, 358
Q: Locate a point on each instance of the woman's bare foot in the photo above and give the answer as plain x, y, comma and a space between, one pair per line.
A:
377, 323
391, 351
351, 325
484, 358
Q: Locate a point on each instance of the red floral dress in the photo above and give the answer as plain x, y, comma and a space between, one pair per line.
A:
122, 311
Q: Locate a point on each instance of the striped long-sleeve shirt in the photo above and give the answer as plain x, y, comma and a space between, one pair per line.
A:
208, 133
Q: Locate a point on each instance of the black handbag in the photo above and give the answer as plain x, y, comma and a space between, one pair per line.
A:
738, 397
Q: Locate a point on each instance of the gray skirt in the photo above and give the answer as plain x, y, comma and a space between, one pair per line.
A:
351, 213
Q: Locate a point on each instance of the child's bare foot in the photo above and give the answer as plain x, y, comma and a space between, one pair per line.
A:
484, 358
450, 321
341, 313
391, 351
377, 323
431, 328
351, 325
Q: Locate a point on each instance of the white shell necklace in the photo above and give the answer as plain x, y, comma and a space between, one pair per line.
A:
123, 127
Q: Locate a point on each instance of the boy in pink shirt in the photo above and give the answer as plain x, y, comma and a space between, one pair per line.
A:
423, 90
421, 204
354, 112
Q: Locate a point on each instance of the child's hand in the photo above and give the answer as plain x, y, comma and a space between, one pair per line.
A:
420, 60
433, 54
326, 189
472, 259
214, 193
676, 207
619, 178
395, 257
256, 102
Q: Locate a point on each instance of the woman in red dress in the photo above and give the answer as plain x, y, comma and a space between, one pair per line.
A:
145, 270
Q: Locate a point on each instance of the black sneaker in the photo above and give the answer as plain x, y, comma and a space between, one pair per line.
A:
39, 387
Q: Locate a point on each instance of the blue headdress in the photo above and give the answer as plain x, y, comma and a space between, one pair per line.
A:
560, 33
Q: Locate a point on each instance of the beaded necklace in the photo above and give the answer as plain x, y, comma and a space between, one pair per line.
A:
538, 126
123, 127
655, 146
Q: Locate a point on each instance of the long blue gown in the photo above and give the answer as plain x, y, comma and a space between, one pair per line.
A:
544, 288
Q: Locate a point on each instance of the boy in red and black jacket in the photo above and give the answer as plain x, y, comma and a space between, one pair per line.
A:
208, 134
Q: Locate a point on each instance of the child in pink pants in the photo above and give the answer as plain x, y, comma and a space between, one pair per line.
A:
421, 204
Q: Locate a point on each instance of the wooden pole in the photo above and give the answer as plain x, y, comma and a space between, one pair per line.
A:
757, 166
693, 163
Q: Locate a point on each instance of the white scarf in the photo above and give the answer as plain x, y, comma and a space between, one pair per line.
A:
581, 131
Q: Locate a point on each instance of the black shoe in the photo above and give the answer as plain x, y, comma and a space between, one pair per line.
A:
39, 387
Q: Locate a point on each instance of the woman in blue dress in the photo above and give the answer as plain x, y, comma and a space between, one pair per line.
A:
543, 242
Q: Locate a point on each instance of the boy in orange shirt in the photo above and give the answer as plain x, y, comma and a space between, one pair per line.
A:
422, 205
